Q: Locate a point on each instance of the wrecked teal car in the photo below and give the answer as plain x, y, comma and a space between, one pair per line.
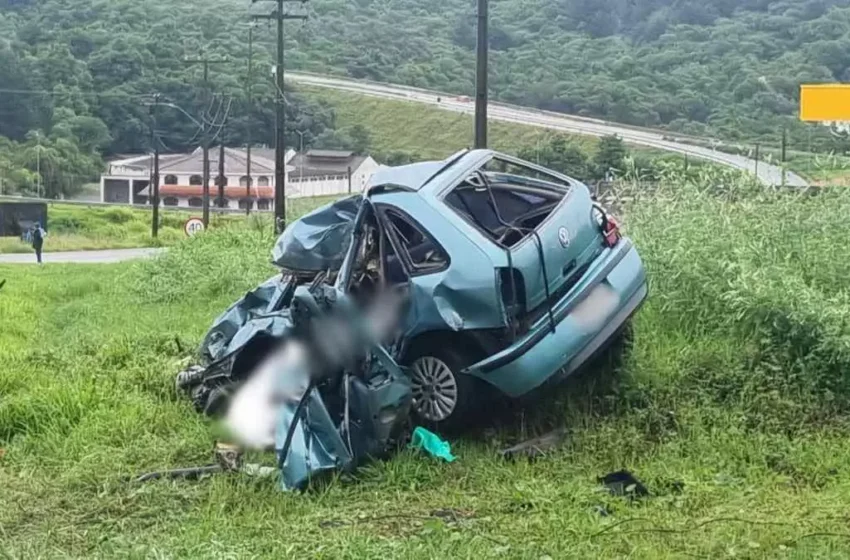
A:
511, 277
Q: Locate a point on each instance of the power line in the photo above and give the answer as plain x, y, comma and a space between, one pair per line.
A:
280, 165
206, 61
75, 92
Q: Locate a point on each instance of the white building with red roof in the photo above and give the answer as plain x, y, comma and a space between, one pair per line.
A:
312, 173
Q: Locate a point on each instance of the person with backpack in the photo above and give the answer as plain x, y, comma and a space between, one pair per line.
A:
38, 235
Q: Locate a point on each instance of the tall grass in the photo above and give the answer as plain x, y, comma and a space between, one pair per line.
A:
74, 227
735, 386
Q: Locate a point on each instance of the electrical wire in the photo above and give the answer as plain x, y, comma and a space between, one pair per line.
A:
224, 120
75, 92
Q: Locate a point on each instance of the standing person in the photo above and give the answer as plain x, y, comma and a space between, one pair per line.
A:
38, 235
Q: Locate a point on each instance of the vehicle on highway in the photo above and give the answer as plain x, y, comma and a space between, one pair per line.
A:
509, 275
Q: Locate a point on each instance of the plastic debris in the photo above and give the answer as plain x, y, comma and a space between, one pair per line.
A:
431, 444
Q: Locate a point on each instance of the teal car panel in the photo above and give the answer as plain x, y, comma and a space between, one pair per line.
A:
464, 294
542, 354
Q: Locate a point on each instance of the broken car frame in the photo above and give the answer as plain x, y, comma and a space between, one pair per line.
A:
509, 276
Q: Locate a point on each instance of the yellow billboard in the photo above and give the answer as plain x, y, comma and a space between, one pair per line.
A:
825, 102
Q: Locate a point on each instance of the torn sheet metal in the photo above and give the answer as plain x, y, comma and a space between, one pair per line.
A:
260, 308
319, 240
325, 395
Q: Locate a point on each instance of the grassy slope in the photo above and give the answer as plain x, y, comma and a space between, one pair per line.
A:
74, 227
736, 387
420, 129
429, 132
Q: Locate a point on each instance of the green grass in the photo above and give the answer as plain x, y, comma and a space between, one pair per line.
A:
736, 386
823, 169
401, 126
74, 227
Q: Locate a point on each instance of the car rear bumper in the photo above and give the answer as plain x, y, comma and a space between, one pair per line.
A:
542, 354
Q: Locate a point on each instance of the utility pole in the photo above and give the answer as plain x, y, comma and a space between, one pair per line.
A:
38, 162
205, 139
481, 77
784, 146
154, 185
249, 95
301, 158
757, 160
280, 122
221, 177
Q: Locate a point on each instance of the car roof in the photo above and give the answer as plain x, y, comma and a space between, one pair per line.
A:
429, 177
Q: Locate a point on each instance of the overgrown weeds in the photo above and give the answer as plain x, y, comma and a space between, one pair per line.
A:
735, 385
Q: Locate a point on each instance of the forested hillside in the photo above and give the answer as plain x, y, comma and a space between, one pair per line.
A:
72, 71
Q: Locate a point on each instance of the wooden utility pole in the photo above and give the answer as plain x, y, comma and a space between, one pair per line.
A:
205, 129
481, 77
222, 178
280, 122
249, 89
757, 160
154, 184
784, 149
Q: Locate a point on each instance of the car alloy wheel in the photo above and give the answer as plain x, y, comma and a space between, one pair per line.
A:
434, 387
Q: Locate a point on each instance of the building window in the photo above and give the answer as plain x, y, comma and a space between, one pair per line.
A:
170, 180
243, 181
246, 203
263, 181
196, 180
263, 204
221, 181
169, 201
223, 203
196, 202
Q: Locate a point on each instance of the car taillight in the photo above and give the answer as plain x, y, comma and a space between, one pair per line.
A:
609, 226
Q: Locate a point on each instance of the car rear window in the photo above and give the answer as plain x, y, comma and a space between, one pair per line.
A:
420, 250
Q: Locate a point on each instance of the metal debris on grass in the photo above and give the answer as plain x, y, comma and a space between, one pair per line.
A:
535, 447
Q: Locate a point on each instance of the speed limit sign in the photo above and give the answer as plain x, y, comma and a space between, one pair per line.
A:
193, 226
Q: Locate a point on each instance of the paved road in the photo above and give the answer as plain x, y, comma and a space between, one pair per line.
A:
769, 174
108, 256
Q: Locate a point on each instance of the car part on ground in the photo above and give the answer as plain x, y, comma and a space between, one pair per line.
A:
535, 447
432, 444
624, 484
508, 276
228, 459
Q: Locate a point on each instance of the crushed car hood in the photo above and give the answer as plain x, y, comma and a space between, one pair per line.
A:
318, 241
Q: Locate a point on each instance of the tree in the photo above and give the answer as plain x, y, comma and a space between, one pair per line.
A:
63, 166
681, 64
361, 139
398, 157
563, 155
610, 156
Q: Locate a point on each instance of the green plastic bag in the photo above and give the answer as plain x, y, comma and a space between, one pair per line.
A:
432, 444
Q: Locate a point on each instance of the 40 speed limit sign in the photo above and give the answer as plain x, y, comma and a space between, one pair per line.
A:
193, 226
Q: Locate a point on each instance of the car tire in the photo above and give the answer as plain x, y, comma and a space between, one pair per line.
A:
443, 398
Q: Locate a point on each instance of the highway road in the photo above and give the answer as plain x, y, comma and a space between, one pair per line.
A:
106, 256
769, 174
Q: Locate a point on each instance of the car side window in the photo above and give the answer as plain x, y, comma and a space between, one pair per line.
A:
420, 250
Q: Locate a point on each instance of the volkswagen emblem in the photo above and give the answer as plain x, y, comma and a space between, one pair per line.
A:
564, 237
